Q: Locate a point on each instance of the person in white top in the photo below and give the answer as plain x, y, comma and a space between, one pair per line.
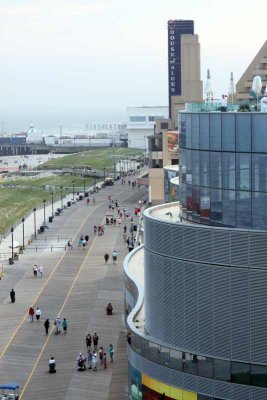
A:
38, 313
41, 269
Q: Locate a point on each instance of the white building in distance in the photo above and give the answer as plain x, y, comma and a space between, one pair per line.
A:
140, 123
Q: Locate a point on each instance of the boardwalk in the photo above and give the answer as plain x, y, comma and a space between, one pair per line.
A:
76, 285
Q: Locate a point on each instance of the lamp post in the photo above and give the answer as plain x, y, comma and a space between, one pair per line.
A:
94, 180
84, 186
52, 196
44, 201
23, 237
104, 173
61, 188
127, 165
12, 243
34, 221
114, 171
73, 191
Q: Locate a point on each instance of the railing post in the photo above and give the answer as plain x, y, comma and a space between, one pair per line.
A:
51, 247
36, 248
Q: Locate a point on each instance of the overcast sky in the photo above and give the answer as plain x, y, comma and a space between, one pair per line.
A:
87, 60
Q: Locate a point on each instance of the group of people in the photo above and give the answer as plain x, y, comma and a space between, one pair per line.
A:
95, 355
99, 230
37, 269
114, 256
37, 313
83, 241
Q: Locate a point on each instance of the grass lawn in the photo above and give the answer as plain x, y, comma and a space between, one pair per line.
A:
97, 159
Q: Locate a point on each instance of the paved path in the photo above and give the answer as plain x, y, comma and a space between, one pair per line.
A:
76, 285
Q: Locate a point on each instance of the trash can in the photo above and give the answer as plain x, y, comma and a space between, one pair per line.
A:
11, 261
69, 203
41, 229
50, 219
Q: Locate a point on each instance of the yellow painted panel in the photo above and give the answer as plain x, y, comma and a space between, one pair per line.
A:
170, 391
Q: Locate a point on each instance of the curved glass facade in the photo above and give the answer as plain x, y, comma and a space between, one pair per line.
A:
170, 172
223, 169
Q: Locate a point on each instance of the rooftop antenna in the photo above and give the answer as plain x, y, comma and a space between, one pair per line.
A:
232, 87
208, 88
257, 84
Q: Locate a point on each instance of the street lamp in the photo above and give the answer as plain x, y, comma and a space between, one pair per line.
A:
61, 197
114, 170
34, 221
73, 191
12, 243
127, 165
52, 195
84, 186
23, 244
44, 210
104, 173
94, 179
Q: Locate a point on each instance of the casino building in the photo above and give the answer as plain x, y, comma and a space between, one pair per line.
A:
196, 290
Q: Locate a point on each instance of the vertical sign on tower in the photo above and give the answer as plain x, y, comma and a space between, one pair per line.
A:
175, 29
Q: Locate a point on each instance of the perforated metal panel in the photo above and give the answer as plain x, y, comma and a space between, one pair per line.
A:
222, 312
191, 307
258, 250
240, 392
239, 248
205, 252
190, 382
190, 243
240, 314
221, 247
205, 386
258, 393
222, 390
205, 309
258, 293
177, 309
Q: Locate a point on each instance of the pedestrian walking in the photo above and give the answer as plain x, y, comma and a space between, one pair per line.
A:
111, 352
90, 359
86, 237
95, 341
125, 229
35, 269
94, 361
65, 326
12, 295
105, 360
58, 325
101, 354
94, 200
124, 237
38, 314
88, 201
69, 244
88, 341
31, 313
41, 270
106, 257
114, 256
95, 230
47, 326
84, 243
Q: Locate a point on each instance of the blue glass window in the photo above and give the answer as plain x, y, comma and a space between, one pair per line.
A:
215, 131
204, 131
243, 209
195, 167
258, 375
259, 172
204, 168
259, 132
243, 171
243, 132
205, 205
195, 131
215, 170
216, 206
229, 208
228, 170
188, 132
222, 370
240, 373
228, 132
188, 167
259, 210
182, 169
